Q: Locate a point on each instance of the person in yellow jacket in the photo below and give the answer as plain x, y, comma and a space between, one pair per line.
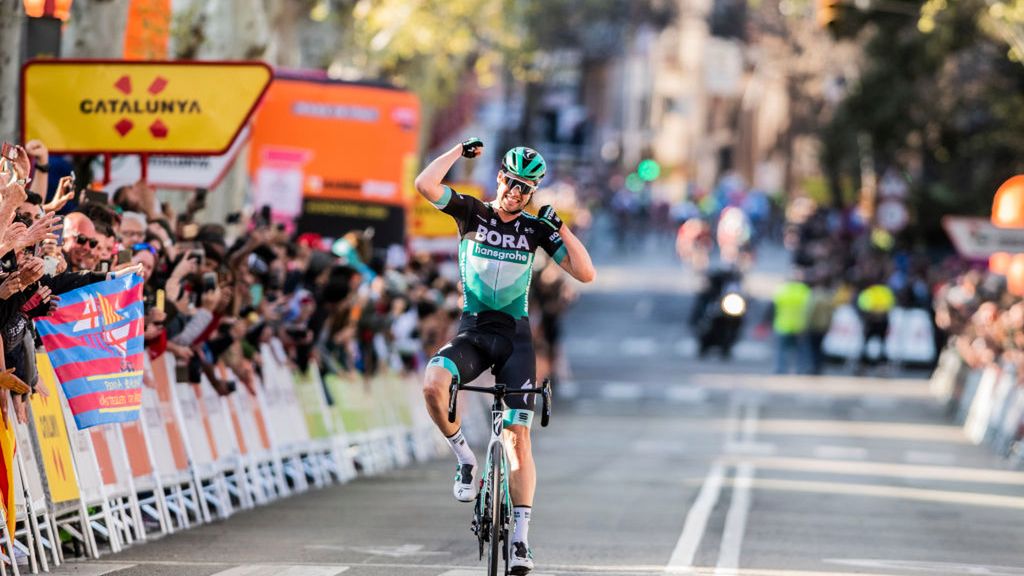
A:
790, 309
874, 304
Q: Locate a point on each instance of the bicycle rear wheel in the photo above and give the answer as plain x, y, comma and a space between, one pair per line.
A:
494, 545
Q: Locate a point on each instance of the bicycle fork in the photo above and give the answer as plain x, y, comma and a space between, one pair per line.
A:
482, 519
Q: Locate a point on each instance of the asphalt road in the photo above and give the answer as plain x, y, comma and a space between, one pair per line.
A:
656, 463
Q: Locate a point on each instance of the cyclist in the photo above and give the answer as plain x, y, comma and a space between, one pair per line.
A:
496, 251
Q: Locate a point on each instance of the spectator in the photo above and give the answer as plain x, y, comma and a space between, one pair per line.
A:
874, 304
789, 320
80, 242
133, 228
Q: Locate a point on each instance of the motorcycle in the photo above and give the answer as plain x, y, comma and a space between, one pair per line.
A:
718, 319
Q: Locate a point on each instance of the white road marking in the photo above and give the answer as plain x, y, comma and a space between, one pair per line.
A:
931, 458
827, 452
482, 572
398, 551
622, 392
281, 570
639, 347
751, 448
735, 522
89, 568
686, 347
686, 394
390, 551
583, 346
696, 523
567, 389
929, 567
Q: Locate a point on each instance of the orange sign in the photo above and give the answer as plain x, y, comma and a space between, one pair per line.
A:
119, 107
326, 140
147, 35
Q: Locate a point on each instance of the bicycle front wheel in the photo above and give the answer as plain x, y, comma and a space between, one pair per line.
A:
497, 522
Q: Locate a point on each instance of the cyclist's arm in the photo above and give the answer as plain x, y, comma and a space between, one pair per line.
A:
428, 183
577, 260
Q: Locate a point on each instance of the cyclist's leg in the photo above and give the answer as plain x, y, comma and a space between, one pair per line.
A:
519, 371
459, 359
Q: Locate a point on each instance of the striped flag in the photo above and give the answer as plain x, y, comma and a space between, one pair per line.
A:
95, 341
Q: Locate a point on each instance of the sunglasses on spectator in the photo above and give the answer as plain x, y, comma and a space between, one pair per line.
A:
524, 186
144, 246
82, 241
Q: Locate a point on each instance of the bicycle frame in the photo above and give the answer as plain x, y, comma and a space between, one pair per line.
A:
483, 520
496, 445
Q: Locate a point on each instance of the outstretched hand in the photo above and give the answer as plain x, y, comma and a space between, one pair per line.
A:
65, 193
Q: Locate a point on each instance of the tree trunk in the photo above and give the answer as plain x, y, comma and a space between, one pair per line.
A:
12, 18
235, 30
96, 29
284, 49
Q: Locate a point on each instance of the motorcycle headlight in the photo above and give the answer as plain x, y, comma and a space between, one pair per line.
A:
734, 305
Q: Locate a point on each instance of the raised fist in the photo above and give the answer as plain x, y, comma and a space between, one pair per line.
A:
547, 215
472, 148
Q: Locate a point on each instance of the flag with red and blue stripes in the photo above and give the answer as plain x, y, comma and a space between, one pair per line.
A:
95, 341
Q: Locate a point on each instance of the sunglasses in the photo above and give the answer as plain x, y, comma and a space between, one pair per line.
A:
82, 241
511, 182
144, 246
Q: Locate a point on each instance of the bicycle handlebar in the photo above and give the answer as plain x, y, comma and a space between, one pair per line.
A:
506, 392
500, 390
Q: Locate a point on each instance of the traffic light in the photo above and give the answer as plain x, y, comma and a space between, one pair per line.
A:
648, 170
826, 12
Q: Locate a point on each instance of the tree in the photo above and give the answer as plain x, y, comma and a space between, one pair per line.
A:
428, 46
945, 105
96, 29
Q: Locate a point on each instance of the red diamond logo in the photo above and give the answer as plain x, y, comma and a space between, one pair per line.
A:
158, 129
124, 127
158, 85
124, 84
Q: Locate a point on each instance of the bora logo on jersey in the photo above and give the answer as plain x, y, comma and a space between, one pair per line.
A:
495, 238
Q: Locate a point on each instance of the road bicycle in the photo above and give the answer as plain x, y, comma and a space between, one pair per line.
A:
492, 512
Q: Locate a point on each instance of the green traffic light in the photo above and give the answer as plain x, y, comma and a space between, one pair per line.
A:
648, 170
634, 183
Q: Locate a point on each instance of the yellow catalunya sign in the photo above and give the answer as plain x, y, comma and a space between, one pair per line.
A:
87, 106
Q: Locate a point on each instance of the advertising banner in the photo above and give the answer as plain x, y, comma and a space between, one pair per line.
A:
94, 340
334, 150
54, 447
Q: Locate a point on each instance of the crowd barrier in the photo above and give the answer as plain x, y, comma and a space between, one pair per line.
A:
988, 402
194, 456
910, 339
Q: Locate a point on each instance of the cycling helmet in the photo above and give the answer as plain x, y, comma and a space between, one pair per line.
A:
525, 163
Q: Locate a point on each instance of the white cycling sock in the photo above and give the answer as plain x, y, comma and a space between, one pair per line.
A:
522, 516
461, 448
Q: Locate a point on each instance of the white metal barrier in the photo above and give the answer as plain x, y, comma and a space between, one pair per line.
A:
195, 456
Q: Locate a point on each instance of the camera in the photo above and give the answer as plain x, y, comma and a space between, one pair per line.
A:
209, 281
